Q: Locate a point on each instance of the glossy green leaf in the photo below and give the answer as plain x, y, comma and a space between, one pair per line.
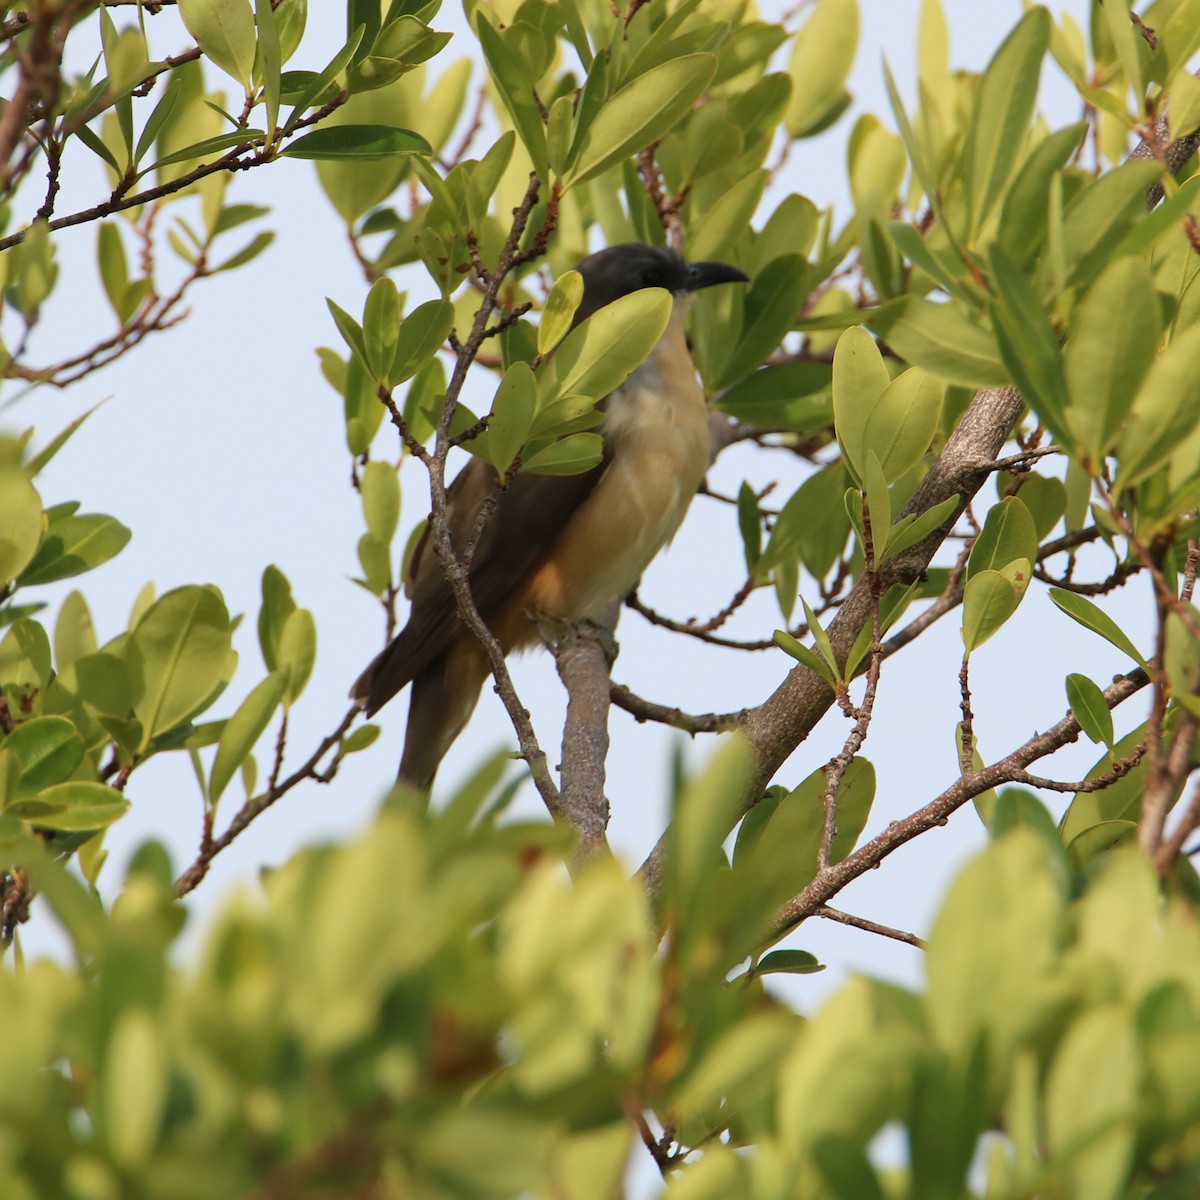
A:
224, 31
1092, 1093
770, 307
820, 65
806, 657
1023, 215
859, 379
21, 523
1003, 109
1101, 215
243, 730
297, 651
902, 422
277, 606
48, 750
73, 545
512, 84
1109, 351
422, 333
792, 396
558, 312
1165, 411
788, 962
270, 60
1089, 709
600, 354
380, 488
915, 528
512, 416
1008, 534
103, 680
1028, 343
1092, 617
178, 655
76, 805
989, 599
357, 143
571, 456
640, 113
939, 339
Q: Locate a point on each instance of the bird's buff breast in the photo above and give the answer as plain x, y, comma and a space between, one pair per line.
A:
656, 426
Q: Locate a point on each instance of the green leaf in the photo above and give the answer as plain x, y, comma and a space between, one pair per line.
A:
317, 84
792, 396
224, 31
73, 545
806, 657
878, 506
516, 94
901, 423
1090, 616
380, 325
859, 379
56, 443
103, 681
1165, 411
723, 225
571, 456
178, 656
1023, 215
704, 813
1093, 1090
1101, 215
989, 599
820, 65
134, 1085
1028, 344
558, 312
297, 651
941, 340
277, 606
243, 730
1107, 356
376, 562
512, 416
1089, 709
788, 962
749, 525
422, 333
1008, 534
270, 60
20, 523
770, 309
1003, 109
915, 528
350, 330
380, 487
600, 353
642, 112
76, 805
363, 737
357, 143
248, 253
48, 750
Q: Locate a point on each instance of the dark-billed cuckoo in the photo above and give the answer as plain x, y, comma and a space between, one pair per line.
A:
556, 546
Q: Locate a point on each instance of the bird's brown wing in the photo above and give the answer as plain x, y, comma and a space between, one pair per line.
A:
526, 522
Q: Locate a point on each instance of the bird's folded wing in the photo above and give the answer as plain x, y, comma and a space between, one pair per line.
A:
522, 530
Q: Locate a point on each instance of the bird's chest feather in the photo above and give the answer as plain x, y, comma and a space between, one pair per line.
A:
656, 435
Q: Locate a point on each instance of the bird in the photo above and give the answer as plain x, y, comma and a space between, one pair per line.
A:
557, 547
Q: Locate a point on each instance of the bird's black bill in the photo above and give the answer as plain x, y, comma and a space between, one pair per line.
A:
707, 274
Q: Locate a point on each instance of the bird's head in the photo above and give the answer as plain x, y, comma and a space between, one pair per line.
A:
616, 271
